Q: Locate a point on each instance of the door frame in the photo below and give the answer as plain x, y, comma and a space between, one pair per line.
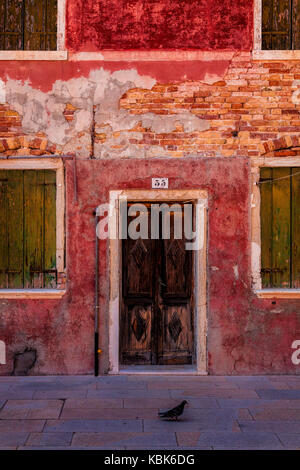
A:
200, 197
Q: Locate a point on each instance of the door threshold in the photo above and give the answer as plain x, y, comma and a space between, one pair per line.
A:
160, 370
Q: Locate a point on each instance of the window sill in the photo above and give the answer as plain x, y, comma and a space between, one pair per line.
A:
31, 293
275, 55
278, 293
33, 55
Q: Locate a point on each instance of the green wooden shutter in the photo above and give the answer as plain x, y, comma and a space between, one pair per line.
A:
295, 228
27, 229
276, 24
280, 241
40, 29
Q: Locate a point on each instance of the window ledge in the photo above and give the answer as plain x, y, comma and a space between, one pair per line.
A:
278, 293
33, 55
31, 293
275, 55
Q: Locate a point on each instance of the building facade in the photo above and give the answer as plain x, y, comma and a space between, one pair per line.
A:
99, 99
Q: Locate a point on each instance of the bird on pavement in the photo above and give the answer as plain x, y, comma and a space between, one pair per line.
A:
174, 412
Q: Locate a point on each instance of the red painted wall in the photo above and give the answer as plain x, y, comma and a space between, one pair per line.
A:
244, 336
159, 24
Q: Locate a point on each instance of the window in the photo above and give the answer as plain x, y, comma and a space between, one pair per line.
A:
280, 227
28, 25
27, 229
280, 24
32, 228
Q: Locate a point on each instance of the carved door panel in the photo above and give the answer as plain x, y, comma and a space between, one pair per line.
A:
156, 312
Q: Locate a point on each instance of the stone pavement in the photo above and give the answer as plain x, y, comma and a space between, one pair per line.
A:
120, 412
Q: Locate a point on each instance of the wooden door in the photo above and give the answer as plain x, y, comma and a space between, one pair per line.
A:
157, 285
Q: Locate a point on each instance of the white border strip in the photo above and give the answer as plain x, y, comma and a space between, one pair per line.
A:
151, 56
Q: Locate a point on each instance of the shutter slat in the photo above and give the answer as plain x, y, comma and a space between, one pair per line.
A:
40, 25
296, 24
51, 25
50, 229
281, 227
276, 25
34, 228
15, 228
295, 229
11, 25
3, 230
266, 227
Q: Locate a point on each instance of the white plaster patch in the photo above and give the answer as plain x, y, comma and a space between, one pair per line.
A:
2, 92
296, 94
236, 271
141, 81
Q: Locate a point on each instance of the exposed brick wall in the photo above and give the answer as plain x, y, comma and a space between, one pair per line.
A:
10, 122
252, 110
252, 106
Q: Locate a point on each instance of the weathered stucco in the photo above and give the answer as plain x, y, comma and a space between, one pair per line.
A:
245, 334
159, 24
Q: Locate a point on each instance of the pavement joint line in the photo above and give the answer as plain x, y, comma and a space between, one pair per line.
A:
279, 439
249, 411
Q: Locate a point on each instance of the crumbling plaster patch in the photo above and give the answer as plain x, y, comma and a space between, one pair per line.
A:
95, 97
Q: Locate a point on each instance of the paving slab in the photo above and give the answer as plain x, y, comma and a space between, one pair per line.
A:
106, 413
169, 403
11, 439
258, 403
82, 403
278, 414
59, 394
31, 409
21, 425
279, 394
249, 440
292, 427
47, 439
215, 392
122, 392
144, 440
93, 425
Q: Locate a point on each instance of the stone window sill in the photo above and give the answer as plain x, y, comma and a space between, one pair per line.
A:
31, 293
278, 293
33, 55
275, 55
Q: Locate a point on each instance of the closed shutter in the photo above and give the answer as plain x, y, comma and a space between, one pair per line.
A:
40, 30
11, 25
280, 24
28, 25
280, 219
27, 229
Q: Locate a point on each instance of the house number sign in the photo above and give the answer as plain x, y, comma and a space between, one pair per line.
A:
160, 183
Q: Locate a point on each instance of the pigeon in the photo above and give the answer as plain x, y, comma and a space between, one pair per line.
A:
174, 412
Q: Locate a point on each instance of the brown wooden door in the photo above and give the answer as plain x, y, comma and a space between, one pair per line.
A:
156, 312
